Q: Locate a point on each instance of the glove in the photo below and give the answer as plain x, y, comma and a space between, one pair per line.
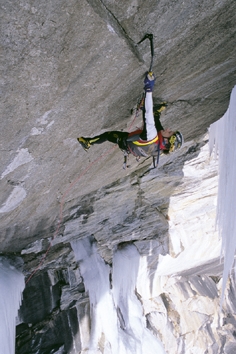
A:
149, 82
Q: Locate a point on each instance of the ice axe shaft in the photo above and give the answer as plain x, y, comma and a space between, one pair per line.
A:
150, 37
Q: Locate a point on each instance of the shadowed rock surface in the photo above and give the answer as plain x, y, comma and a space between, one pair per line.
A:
73, 68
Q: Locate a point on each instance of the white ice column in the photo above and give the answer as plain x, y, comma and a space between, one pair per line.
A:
223, 137
116, 312
11, 286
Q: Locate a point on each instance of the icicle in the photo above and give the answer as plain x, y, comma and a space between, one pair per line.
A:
223, 136
116, 313
96, 280
135, 337
11, 287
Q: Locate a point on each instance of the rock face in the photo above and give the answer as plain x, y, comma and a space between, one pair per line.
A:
73, 68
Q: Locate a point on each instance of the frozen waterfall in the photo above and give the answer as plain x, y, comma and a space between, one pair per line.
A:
223, 137
12, 284
116, 312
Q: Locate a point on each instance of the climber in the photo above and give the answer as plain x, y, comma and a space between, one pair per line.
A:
149, 140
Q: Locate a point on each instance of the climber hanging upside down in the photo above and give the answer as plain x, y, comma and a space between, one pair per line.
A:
149, 141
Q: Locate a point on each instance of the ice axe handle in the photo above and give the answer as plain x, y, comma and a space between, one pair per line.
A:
150, 37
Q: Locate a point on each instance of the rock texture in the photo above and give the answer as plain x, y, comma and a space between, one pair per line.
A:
73, 68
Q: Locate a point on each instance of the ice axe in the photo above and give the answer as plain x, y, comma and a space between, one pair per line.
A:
150, 37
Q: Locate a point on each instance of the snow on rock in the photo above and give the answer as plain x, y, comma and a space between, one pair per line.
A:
17, 195
21, 158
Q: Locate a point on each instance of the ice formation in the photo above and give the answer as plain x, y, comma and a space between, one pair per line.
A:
96, 279
12, 284
116, 311
223, 137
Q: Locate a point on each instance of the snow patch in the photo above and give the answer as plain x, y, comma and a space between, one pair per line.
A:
44, 119
110, 28
50, 124
35, 247
36, 131
22, 158
14, 200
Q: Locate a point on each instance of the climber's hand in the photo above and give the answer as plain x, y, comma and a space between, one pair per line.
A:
149, 82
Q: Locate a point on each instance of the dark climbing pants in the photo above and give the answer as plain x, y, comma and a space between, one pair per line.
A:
115, 137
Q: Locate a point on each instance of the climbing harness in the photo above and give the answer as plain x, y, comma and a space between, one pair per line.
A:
141, 142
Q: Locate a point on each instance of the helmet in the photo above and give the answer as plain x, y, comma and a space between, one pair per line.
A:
175, 141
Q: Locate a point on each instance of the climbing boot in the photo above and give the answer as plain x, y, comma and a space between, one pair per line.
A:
160, 107
84, 142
